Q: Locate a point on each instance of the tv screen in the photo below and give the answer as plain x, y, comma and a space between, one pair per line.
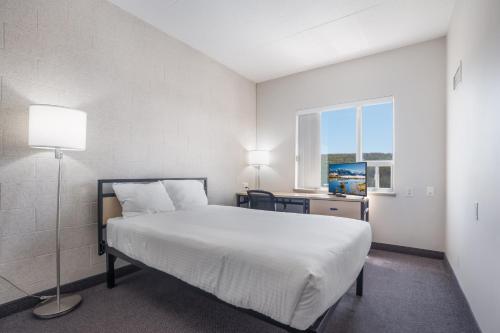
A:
347, 178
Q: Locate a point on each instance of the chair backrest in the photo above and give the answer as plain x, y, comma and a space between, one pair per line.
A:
262, 200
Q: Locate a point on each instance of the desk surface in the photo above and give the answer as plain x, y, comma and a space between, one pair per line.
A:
314, 196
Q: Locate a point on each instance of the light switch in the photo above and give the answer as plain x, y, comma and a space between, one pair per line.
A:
430, 191
409, 192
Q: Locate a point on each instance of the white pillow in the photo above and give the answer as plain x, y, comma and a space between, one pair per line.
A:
137, 199
186, 194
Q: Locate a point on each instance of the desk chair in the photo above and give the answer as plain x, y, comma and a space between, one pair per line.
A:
263, 200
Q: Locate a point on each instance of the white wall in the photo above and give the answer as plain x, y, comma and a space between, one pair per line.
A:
155, 108
473, 120
415, 76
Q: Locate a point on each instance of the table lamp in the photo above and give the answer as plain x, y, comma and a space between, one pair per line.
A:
57, 128
258, 158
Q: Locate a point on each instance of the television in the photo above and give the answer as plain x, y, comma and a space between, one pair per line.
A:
347, 179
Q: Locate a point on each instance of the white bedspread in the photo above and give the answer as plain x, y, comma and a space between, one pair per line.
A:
290, 267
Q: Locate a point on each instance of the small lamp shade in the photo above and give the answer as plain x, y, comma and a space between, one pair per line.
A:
258, 157
53, 127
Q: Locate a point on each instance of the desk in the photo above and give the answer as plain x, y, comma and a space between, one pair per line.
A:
319, 203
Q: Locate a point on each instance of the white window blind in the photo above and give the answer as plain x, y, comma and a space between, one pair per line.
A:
308, 150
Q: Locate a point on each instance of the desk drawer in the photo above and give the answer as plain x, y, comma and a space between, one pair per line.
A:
336, 208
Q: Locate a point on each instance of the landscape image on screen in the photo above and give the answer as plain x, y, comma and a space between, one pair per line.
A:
347, 178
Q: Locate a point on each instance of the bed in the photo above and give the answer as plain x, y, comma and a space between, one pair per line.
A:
288, 269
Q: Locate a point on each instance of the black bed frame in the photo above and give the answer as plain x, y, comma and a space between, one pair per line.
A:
112, 254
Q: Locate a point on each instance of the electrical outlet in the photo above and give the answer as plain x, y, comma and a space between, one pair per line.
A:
430, 191
409, 192
476, 211
245, 186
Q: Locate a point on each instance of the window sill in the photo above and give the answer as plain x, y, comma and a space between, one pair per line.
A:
324, 191
384, 194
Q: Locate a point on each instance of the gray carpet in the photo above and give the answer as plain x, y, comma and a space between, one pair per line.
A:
402, 294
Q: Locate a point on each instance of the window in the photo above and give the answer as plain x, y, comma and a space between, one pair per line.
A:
350, 133
338, 139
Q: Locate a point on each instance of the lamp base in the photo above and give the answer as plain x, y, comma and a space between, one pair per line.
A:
49, 309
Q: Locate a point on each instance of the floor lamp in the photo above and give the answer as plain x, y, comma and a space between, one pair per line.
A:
258, 158
57, 128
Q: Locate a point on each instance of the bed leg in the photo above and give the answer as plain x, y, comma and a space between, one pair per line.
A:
359, 284
110, 273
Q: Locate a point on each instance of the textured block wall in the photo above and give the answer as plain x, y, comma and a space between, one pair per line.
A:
155, 108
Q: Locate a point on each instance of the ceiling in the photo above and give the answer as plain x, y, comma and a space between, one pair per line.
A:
266, 39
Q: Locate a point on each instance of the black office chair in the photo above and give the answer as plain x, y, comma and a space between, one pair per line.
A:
262, 200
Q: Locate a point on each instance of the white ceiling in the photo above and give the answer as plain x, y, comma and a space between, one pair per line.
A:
266, 39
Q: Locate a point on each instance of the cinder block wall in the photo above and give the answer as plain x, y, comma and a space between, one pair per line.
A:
155, 108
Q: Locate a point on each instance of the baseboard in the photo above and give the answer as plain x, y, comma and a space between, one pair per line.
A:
25, 303
455, 280
408, 250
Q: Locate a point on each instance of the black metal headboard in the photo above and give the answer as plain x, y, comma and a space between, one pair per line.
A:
102, 194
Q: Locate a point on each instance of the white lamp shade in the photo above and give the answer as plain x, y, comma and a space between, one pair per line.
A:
258, 157
57, 127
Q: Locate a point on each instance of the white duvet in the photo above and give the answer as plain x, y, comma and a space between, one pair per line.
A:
289, 267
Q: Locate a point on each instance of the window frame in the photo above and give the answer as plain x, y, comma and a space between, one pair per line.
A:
358, 105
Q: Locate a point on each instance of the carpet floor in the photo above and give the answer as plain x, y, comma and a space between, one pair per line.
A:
402, 293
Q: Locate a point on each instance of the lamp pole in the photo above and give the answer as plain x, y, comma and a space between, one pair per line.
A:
59, 157
58, 305
258, 176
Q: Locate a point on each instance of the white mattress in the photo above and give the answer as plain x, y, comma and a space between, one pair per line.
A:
289, 267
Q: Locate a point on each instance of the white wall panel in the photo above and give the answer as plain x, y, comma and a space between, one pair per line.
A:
155, 106
415, 76
473, 126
